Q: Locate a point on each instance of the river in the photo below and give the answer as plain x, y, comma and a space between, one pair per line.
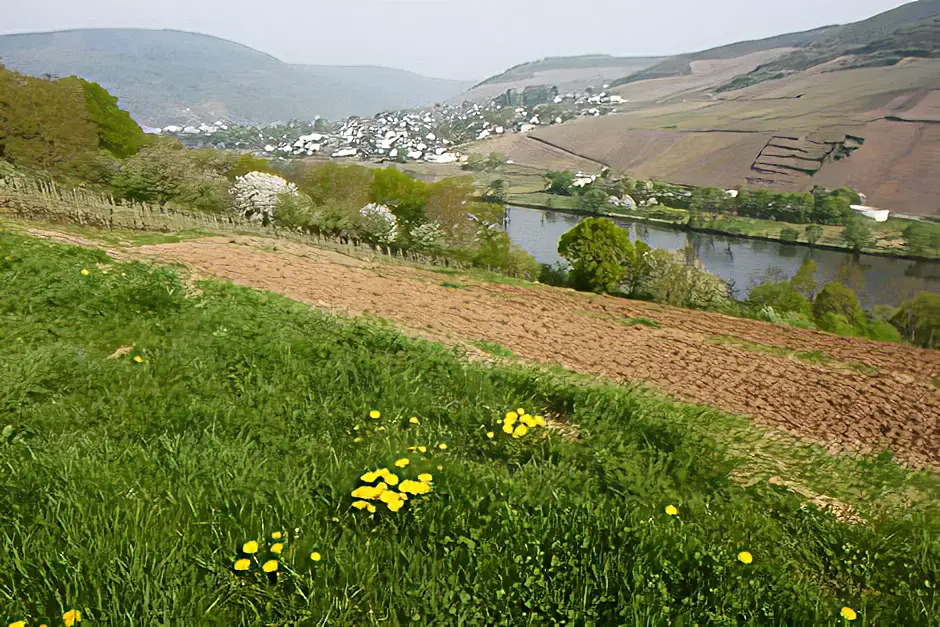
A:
740, 261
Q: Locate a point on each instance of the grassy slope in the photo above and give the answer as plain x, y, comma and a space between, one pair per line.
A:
125, 489
158, 74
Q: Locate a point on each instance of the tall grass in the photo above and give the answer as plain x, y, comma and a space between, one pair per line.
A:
127, 488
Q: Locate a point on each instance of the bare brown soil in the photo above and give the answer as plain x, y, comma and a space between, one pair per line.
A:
837, 403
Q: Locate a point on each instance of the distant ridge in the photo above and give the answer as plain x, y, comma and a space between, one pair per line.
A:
169, 77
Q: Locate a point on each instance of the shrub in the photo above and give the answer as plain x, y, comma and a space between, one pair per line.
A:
497, 252
556, 275
598, 251
378, 224
857, 234
836, 299
918, 320
782, 297
789, 234
673, 282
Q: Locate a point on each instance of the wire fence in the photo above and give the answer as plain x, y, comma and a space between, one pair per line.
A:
43, 201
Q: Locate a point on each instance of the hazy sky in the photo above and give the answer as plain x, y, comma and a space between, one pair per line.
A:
465, 39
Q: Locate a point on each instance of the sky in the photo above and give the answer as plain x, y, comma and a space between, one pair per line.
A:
459, 39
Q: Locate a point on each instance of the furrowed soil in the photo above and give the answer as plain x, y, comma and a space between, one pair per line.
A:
847, 394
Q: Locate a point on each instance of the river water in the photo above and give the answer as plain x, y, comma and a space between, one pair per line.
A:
740, 261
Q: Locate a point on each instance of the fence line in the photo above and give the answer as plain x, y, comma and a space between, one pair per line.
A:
42, 200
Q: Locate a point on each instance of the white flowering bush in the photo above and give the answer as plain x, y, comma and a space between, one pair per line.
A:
256, 194
378, 223
427, 236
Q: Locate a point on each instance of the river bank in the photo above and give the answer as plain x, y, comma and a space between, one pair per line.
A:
888, 233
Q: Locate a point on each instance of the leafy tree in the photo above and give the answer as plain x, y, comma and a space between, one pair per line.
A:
598, 251
708, 199
830, 208
448, 205
118, 133
837, 300
496, 251
593, 200
674, 282
406, 196
789, 234
921, 239
814, 233
249, 163
334, 183
918, 320
497, 192
782, 297
804, 281
857, 235
560, 182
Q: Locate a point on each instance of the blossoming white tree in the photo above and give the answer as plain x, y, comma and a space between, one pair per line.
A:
427, 236
378, 223
256, 194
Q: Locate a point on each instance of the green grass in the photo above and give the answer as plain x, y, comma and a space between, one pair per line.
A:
453, 286
126, 489
646, 322
813, 357
497, 350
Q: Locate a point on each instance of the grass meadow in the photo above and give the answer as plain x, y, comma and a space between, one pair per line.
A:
203, 475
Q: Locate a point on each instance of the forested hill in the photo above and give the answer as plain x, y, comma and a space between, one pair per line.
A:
170, 77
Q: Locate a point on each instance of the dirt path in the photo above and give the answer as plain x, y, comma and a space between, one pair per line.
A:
863, 396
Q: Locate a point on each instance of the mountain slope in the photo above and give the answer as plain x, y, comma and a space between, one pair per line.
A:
566, 73
165, 77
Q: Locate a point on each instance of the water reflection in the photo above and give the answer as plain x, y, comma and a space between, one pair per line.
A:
742, 262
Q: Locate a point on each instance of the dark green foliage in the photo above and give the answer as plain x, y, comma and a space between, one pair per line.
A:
497, 252
560, 182
789, 234
556, 275
804, 281
710, 200
407, 197
593, 200
782, 297
922, 238
918, 320
246, 164
838, 300
814, 233
118, 133
598, 251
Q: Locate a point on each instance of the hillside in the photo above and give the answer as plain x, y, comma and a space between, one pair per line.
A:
172, 77
567, 73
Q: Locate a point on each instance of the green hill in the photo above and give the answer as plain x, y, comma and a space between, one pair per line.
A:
172, 77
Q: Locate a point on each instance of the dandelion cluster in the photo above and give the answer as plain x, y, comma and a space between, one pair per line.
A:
518, 424
264, 558
384, 487
70, 618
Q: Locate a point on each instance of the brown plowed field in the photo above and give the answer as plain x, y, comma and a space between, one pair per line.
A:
695, 356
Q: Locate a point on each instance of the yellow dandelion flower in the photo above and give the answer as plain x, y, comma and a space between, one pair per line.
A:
375, 414
671, 510
520, 411
442, 446
19, 623
414, 420
370, 477
277, 548
440, 468
490, 435
539, 421
745, 557
138, 359
389, 496
277, 535
382, 487
422, 449
357, 440
361, 505
520, 431
250, 548
85, 272
269, 566
414, 487
242, 564
316, 557
366, 492
511, 416
395, 505
425, 477
392, 480
382, 472
401, 463
371, 508
848, 613
528, 421
507, 428
71, 617
403, 496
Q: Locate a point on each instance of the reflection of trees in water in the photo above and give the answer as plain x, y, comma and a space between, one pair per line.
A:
923, 270
789, 251
642, 231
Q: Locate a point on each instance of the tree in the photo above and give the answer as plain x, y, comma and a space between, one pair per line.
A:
922, 239
496, 251
804, 281
789, 234
495, 161
598, 251
249, 163
334, 183
782, 297
593, 200
814, 233
118, 133
497, 191
560, 182
475, 162
918, 320
674, 282
837, 300
857, 235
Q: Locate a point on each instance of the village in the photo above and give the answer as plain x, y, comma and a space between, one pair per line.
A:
432, 134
